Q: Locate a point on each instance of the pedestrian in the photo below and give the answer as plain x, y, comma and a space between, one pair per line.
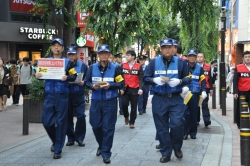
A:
76, 102
14, 87
55, 109
214, 71
4, 85
167, 75
197, 85
241, 82
133, 77
179, 53
25, 76
209, 90
119, 63
143, 99
104, 79
229, 80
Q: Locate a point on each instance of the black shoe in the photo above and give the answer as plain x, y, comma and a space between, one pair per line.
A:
80, 143
140, 113
178, 153
207, 123
57, 156
185, 137
70, 143
106, 160
98, 152
144, 111
193, 137
164, 159
52, 148
121, 113
158, 146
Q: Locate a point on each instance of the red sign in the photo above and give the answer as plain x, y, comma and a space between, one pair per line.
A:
43, 62
22, 5
89, 35
81, 56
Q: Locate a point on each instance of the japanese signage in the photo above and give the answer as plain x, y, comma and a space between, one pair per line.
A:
38, 33
82, 54
51, 68
21, 5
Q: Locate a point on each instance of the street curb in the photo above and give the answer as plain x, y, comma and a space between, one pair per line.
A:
226, 154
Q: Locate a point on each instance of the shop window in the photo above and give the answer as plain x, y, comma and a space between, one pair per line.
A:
26, 18
23, 54
35, 56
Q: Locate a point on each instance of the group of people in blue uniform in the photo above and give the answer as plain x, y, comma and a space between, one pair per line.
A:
171, 79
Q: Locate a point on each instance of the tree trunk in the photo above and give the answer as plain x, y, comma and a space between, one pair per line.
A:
67, 29
58, 25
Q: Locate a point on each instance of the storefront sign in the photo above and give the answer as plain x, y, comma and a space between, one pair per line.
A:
38, 33
22, 5
81, 16
51, 68
81, 41
82, 54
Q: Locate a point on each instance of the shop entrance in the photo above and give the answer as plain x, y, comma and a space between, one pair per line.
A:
34, 52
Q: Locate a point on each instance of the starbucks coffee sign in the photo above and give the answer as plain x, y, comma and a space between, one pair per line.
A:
38, 33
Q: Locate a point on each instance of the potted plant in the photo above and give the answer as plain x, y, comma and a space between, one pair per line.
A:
36, 100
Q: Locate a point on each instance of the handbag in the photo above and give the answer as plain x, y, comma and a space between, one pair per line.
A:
7, 81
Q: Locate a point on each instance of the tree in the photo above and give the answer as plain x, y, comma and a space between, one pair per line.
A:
62, 13
119, 23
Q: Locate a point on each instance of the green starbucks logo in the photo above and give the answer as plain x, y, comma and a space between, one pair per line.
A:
81, 41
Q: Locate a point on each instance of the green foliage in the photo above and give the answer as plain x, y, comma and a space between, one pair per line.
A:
36, 89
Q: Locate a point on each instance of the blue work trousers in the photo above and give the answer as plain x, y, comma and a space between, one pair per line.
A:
54, 118
143, 99
102, 117
168, 112
76, 109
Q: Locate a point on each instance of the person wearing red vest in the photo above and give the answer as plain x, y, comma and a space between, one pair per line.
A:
133, 77
241, 83
209, 90
179, 53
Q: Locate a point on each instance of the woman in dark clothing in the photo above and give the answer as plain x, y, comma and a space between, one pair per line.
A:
4, 87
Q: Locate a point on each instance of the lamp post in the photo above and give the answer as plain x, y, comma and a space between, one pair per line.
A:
222, 62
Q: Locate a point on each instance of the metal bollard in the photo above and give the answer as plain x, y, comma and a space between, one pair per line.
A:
214, 97
245, 146
244, 120
235, 108
243, 106
242, 98
26, 115
223, 100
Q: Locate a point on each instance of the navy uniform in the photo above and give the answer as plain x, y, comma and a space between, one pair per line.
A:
55, 109
119, 98
167, 104
143, 99
103, 109
76, 103
197, 85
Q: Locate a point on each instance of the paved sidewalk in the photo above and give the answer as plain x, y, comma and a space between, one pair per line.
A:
130, 147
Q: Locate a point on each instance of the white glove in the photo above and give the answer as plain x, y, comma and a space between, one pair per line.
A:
185, 90
174, 82
203, 95
158, 81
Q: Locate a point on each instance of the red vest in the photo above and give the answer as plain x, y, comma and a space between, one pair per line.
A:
244, 77
207, 68
131, 76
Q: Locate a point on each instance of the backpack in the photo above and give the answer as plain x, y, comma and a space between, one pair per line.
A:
30, 69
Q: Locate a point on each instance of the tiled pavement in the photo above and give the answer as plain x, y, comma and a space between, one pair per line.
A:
131, 146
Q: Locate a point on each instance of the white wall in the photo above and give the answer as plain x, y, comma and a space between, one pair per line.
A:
244, 20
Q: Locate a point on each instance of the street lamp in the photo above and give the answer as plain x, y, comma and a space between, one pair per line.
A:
222, 62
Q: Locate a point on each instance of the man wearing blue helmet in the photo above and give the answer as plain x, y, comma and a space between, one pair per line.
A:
167, 75
56, 98
197, 85
104, 79
76, 102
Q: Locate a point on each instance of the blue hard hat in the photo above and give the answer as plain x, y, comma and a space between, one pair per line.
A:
58, 40
166, 42
103, 48
71, 50
192, 52
175, 42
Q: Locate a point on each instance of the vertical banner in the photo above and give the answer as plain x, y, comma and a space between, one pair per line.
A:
82, 54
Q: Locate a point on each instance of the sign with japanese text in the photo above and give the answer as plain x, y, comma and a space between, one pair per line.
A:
51, 68
82, 54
